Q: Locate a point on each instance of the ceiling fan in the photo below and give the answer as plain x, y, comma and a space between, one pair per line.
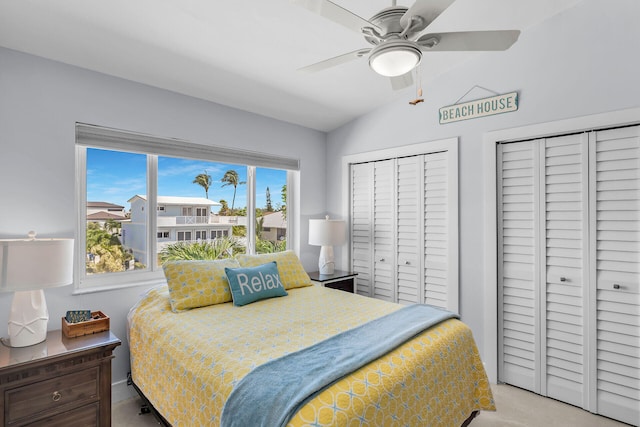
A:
400, 35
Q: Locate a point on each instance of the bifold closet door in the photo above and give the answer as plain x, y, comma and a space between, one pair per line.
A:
362, 226
409, 229
565, 285
518, 258
569, 269
543, 254
402, 214
423, 240
384, 230
437, 252
615, 160
372, 228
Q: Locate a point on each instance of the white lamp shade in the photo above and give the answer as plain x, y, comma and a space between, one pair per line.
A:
326, 232
31, 264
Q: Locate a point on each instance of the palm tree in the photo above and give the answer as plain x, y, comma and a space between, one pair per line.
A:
204, 180
231, 178
269, 206
224, 208
113, 226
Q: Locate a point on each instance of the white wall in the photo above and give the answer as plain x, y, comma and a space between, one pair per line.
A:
40, 102
581, 62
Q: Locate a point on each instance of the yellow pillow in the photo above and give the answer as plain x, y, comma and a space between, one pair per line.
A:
197, 283
290, 269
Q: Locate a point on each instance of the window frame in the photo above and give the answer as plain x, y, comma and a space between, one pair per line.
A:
91, 136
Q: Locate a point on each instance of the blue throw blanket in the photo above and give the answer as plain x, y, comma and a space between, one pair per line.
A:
273, 392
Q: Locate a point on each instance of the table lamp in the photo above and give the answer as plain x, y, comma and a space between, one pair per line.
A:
326, 233
27, 266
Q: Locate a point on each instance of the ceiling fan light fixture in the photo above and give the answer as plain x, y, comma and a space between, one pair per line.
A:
395, 58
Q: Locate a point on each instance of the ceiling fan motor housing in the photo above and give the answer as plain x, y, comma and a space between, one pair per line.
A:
388, 20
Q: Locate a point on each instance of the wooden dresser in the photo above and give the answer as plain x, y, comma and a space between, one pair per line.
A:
59, 382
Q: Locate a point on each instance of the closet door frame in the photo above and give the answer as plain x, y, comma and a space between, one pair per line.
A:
451, 146
489, 349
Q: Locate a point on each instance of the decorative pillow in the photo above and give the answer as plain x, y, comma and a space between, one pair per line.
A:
197, 283
291, 271
250, 284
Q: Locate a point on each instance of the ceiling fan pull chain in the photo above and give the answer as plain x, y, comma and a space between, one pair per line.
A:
418, 87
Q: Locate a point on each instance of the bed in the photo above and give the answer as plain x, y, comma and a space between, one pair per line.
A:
187, 361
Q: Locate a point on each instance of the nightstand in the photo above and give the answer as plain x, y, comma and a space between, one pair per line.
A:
59, 382
343, 280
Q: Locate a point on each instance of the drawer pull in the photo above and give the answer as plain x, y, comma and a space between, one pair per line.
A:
407, 263
616, 286
381, 259
56, 396
563, 279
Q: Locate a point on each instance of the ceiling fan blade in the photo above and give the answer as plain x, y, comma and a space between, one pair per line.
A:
336, 14
336, 60
429, 10
468, 41
401, 82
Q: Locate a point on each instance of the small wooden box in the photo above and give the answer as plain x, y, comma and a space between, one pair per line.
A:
99, 322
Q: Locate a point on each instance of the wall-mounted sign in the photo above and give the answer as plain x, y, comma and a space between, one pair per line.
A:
479, 108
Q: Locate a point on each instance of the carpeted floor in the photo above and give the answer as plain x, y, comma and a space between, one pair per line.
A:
516, 408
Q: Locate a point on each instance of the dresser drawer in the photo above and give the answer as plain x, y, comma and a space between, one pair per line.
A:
85, 416
57, 394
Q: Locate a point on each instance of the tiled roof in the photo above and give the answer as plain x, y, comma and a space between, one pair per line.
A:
102, 216
103, 205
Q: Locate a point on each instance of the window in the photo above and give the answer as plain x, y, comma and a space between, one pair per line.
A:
194, 191
271, 207
184, 235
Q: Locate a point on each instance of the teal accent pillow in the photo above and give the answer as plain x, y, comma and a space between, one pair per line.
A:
251, 284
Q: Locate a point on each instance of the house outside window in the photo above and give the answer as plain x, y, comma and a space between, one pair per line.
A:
133, 171
184, 235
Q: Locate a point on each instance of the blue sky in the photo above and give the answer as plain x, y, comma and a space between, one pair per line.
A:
115, 177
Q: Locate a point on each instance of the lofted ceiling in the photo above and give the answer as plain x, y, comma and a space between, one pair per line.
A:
244, 53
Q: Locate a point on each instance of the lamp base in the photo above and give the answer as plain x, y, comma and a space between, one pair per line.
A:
326, 263
28, 318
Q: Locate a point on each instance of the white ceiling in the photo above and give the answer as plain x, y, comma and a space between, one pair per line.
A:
243, 53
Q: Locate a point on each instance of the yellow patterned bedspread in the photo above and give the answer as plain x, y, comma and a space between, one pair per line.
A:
187, 363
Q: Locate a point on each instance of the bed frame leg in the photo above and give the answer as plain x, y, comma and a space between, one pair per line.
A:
471, 417
144, 409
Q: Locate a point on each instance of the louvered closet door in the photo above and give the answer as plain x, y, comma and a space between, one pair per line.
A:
564, 295
384, 206
436, 250
616, 241
362, 226
543, 258
518, 257
408, 219
404, 219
